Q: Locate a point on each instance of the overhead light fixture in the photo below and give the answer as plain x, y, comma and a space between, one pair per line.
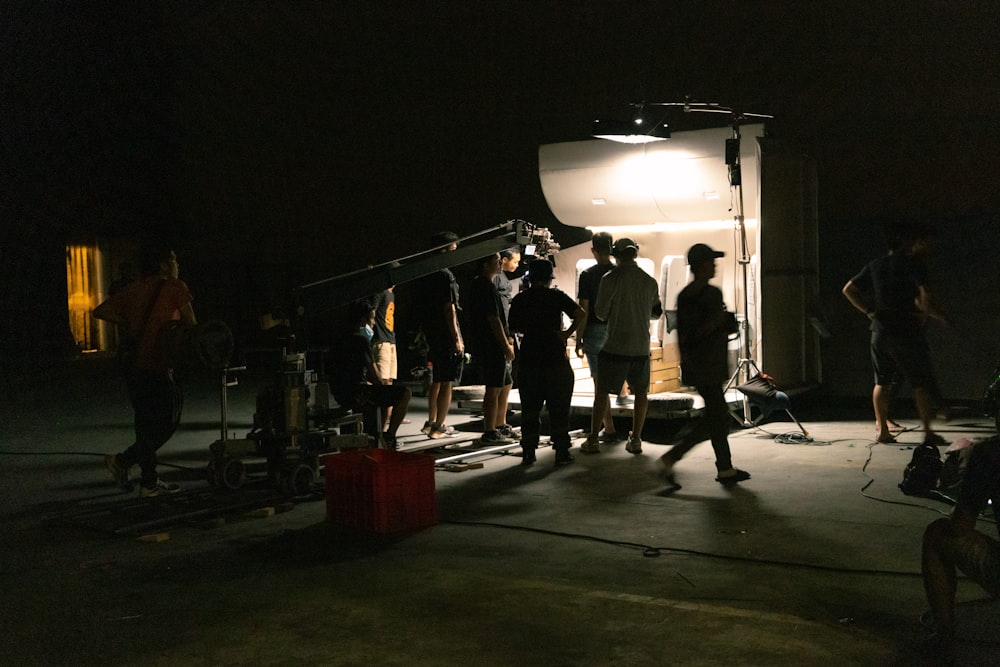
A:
639, 130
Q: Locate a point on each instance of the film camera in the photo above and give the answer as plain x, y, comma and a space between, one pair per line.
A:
536, 241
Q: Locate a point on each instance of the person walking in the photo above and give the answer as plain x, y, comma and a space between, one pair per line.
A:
142, 310
547, 377
703, 329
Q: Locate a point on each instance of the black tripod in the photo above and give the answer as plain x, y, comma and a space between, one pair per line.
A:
746, 368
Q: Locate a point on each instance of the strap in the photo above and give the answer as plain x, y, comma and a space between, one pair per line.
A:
149, 311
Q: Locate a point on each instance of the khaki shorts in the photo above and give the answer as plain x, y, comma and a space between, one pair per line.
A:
385, 360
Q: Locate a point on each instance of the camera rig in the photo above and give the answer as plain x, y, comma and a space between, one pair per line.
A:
294, 423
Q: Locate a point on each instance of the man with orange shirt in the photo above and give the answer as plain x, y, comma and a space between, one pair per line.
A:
142, 310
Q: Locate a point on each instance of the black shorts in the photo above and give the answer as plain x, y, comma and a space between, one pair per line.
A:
907, 354
496, 370
446, 366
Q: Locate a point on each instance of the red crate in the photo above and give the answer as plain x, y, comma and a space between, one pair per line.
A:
380, 491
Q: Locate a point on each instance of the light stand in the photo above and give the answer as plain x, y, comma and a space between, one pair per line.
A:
658, 131
746, 363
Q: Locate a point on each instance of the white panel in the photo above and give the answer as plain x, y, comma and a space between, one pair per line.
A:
601, 183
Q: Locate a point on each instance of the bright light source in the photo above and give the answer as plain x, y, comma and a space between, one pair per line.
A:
701, 226
630, 138
638, 131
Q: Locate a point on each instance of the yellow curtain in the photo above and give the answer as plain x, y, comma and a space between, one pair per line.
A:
83, 288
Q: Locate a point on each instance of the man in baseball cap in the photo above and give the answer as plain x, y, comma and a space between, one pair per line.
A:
700, 252
703, 328
625, 246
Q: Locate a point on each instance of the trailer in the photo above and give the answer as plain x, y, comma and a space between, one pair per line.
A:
669, 195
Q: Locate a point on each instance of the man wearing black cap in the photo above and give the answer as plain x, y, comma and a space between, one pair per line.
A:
703, 328
627, 300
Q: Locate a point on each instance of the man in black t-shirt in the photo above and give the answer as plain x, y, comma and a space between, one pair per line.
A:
492, 349
446, 348
893, 292
703, 329
590, 341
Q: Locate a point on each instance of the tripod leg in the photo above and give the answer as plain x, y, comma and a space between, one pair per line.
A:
801, 427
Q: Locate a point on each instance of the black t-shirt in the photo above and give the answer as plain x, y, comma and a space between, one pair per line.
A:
482, 304
385, 317
590, 281
537, 313
704, 348
893, 282
348, 366
436, 291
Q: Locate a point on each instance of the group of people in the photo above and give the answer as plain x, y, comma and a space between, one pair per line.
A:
610, 321
621, 299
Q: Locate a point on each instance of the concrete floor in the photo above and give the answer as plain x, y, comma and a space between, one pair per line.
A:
814, 561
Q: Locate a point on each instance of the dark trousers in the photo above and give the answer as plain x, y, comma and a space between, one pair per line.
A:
712, 425
551, 386
157, 402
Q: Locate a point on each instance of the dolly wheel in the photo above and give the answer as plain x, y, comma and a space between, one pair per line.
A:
212, 472
300, 480
233, 474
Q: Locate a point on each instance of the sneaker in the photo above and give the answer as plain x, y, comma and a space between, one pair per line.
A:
634, 445
624, 400
119, 472
563, 457
507, 431
427, 428
590, 445
733, 476
671, 482
611, 438
494, 438
441, 432
161, 488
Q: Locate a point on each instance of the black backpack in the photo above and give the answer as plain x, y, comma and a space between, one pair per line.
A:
920, 476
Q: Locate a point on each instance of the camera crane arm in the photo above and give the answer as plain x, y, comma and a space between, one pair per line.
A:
324, 295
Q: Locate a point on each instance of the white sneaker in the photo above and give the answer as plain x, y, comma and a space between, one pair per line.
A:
590, 445
161, 488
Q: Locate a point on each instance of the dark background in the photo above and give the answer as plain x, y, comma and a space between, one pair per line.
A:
283, 142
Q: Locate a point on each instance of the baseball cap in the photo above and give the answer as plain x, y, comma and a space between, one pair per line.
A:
540, 270
700, 252
623, 245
